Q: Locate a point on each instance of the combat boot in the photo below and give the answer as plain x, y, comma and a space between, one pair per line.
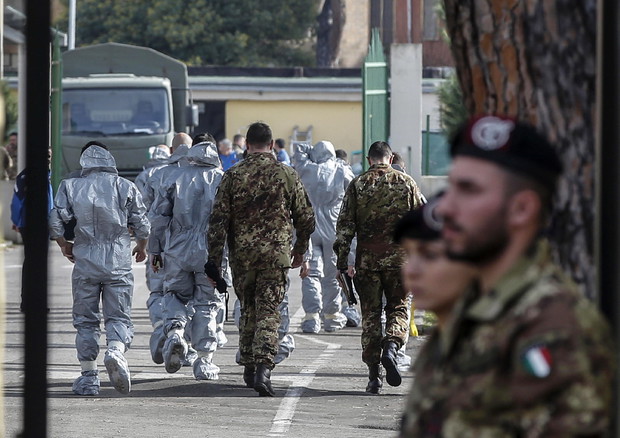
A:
388, 359
375, 381
249, 375
262, 382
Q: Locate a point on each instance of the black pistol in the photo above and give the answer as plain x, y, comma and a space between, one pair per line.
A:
213, 272
346, 283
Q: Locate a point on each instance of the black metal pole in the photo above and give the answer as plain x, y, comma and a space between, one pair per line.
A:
36, 238
609, 168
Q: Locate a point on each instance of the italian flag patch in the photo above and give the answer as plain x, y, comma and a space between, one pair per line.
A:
537, 361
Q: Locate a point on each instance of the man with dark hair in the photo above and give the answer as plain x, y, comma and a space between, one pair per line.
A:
341, 154
398, 163
257, 205
281, 153
527, 354
203, 137
93, 143
373, 202
238, 145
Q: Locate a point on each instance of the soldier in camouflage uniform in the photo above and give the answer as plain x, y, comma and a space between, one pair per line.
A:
526, 354
372, 204
258, 203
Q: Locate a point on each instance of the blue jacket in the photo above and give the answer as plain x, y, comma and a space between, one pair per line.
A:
18, 203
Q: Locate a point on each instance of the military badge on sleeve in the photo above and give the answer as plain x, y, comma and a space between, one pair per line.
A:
536, 361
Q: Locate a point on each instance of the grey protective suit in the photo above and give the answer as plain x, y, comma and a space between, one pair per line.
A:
155, 280
106, 206
184, 202
326, 180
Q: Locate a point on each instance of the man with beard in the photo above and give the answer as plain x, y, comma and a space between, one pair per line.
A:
527, 354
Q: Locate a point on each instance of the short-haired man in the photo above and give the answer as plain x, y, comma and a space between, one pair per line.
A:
238, 143
227, 155
257, 205
281, 153
528, 355
372, 204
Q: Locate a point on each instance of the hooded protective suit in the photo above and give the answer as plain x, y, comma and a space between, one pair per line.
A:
184, 205
105, 206
159, 160
325, 180
155, 280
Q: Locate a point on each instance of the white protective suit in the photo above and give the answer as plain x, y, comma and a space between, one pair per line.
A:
155, 280
326, 180
106, 206
184, 202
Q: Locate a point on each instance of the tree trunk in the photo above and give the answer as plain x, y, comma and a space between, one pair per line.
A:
536, 60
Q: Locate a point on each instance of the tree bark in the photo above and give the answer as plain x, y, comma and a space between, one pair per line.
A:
536, 60
329, 31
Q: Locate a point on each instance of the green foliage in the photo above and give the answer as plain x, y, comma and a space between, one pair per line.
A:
10, 107
451, 107
203, 32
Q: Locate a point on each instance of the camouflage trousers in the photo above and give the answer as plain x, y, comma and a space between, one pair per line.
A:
260, 292
371, 286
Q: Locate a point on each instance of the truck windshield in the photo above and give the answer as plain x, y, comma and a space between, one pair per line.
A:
115, 111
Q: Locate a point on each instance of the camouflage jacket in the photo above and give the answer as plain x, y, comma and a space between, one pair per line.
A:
257, 205
533, 358
372, 205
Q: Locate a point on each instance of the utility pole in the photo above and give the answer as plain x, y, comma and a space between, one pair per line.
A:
72, 14
36, 237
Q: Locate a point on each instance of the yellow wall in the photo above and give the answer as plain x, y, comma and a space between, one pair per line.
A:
338, 122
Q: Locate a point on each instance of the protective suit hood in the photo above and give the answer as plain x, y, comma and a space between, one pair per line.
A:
204, 154
180, 152
160, 156
322, 151
97, 158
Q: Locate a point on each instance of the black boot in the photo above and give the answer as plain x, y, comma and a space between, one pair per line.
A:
262, 383
388, 359
249, 374
375, 381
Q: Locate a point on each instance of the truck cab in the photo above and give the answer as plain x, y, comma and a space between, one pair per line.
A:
128, 113
128, 97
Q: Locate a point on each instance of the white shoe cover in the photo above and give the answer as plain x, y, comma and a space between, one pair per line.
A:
175, 350
204, 369
190, 357
118, 370
87, 384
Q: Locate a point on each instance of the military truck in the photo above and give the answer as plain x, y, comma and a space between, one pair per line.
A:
130, 98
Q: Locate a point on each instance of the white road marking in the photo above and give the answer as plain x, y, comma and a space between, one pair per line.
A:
286, 411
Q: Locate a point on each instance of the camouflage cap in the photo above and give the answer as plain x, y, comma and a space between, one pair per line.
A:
422, 223
511, 144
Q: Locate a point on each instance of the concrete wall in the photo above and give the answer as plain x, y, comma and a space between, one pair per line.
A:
406, 105
338, 122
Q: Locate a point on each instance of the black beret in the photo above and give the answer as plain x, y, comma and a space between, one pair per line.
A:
511, 144
421, 223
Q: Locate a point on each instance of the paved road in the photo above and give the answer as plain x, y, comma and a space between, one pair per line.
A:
320, 388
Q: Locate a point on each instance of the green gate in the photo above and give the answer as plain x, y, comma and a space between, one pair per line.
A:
375, 95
